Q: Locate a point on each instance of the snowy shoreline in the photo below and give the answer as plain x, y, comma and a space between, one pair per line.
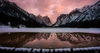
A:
51, 50
84, 30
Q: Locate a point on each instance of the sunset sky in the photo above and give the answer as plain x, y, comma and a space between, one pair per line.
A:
51, 8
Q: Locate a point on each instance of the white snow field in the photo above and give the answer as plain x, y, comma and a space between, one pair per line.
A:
84, 30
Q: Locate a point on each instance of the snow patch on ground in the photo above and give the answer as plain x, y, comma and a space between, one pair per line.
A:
3, 26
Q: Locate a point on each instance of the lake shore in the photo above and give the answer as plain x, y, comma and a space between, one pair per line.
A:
84, 30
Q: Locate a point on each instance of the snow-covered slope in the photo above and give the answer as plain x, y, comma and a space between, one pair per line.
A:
91, 13
67, 18
85, 14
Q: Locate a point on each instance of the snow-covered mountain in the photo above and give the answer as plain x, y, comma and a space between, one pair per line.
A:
90, 13
81, 17
11, 14
67, 18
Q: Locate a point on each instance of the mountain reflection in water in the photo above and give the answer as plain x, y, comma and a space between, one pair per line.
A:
49, 40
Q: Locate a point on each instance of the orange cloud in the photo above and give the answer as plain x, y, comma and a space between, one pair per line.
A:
52, 8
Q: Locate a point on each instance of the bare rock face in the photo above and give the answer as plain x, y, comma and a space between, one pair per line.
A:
47, 21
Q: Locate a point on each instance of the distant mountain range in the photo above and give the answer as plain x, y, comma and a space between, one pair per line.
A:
14, 16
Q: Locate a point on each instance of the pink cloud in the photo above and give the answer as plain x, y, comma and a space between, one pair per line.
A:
52, 8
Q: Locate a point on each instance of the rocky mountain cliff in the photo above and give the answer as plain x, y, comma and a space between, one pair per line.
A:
88, 16
47, 21
44, 20
12, 15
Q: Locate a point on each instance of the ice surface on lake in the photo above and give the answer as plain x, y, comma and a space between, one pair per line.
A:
87, 30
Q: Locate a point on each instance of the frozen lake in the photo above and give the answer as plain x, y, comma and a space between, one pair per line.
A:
86, 30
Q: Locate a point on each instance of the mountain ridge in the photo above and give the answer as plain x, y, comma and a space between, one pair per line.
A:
11, 13
81, 17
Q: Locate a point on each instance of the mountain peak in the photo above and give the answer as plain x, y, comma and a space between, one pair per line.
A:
47, 20
39, 16
75, 11
45, 17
